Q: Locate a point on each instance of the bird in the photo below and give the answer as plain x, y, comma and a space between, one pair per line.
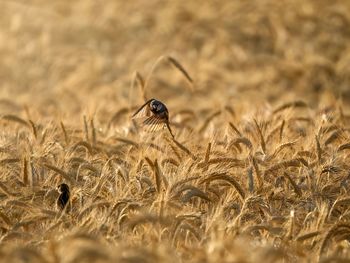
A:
64, 196
153, 116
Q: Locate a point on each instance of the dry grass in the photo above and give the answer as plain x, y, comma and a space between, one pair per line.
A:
258, 94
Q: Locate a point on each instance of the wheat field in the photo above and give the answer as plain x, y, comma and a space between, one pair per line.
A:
258, 94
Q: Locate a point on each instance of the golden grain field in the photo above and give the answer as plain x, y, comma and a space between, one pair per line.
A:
258, 93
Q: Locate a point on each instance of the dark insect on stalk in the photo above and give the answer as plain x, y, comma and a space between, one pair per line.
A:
64, 196
153, 116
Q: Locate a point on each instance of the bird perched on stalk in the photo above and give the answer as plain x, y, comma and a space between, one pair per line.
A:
64, 196
153, 116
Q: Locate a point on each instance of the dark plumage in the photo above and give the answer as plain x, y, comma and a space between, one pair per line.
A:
64, 196
153, 116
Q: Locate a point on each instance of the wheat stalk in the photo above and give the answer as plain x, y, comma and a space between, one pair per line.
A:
225, 177
293, 104
14, 118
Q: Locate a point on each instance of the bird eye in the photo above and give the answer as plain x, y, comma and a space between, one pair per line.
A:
156, 106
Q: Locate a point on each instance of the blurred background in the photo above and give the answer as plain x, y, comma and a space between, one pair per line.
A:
68, 58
